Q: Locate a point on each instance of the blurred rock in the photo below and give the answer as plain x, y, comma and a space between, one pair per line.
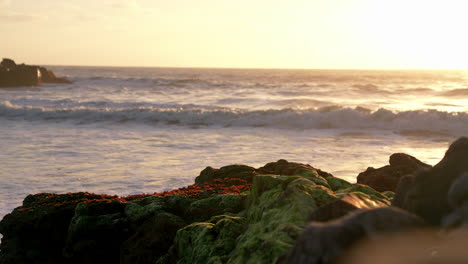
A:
343, 206
325, 243
426, 193
424, 247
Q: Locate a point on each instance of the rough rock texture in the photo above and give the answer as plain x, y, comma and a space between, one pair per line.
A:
206, 242
277, 210
89, 228
232, 171
425, 193
48, 76
151, 240
344, 205
387, 177
37, 231
324, 243
96, 232
283, 167
13, 75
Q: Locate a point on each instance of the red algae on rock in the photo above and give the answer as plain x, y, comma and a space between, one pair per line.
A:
218, 186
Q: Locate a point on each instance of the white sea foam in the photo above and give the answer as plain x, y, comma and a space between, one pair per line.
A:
193, 115
131, 130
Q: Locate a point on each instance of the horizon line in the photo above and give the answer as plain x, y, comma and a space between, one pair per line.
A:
261, 68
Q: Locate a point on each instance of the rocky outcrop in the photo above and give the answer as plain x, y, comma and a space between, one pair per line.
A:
284, 212
435, 196
13, 75
234, 214
426, 192
48, 76
387, 177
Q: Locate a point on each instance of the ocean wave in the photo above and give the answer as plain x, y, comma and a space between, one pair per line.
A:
335, 117
151, 81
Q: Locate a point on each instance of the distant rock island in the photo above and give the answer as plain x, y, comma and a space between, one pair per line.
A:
16, 75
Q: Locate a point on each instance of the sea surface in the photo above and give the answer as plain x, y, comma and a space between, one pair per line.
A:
143, 130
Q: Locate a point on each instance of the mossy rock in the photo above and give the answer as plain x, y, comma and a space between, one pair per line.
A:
338, 184
217, 204
138, 212
314, 176
360, 188
207, 242
276, 216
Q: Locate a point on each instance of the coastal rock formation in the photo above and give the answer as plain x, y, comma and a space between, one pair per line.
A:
48, 76
13, 75
238, 214
426, 193
209, 174
387, 177
252, 219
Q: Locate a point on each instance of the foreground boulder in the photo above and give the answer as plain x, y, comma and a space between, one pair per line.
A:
325, 243
387, 177
426, 192
13, 75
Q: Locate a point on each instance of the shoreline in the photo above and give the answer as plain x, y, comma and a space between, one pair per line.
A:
242, 205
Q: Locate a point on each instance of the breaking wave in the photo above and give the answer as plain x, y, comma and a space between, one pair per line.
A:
198, 115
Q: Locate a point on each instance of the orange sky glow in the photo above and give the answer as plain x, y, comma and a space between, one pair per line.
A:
333, 34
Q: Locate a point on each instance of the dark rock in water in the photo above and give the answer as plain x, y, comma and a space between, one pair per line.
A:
13, 75
48, 76
387, 177
8, 63
325, 243
426, 193
232, 171
343, 206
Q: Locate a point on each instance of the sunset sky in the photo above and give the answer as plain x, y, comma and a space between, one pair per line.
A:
382, 34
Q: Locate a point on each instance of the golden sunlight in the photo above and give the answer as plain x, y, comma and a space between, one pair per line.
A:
420, 34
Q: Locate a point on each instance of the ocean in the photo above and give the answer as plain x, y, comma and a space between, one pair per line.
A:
143, 130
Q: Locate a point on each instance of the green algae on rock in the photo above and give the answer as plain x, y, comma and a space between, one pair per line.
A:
276, 217
255, 217
208, 242
277, 211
